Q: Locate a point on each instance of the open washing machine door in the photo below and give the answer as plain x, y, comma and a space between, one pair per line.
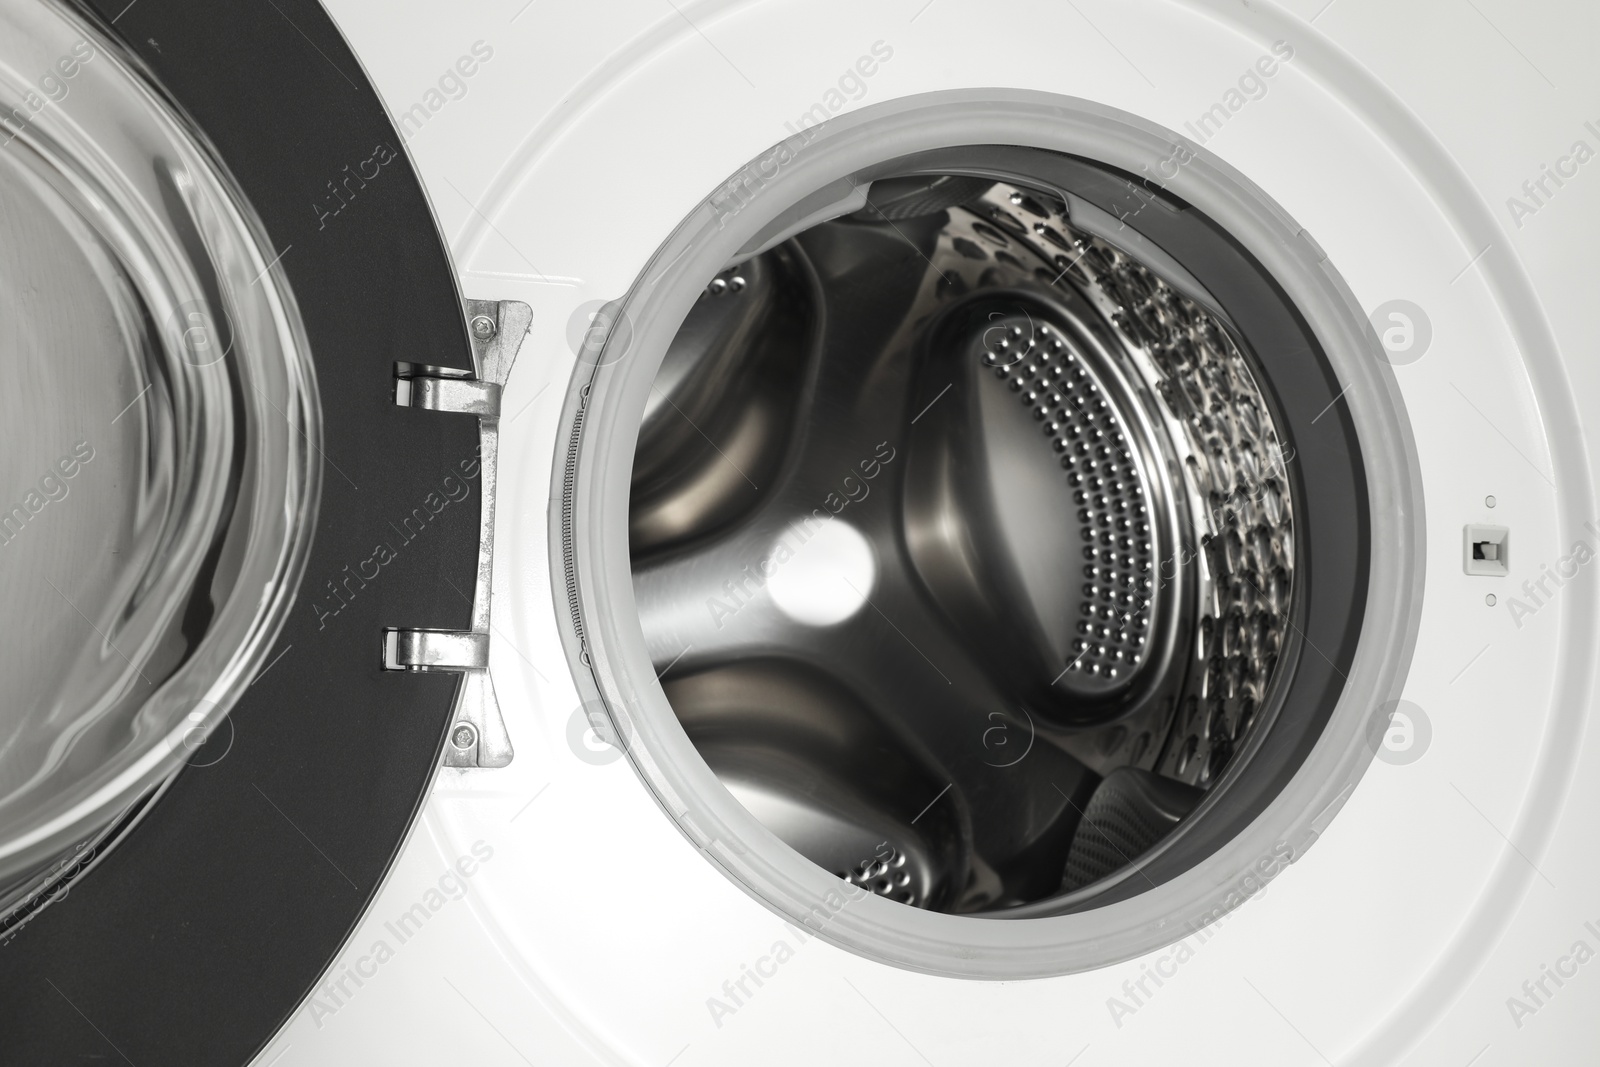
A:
249, 459
803, 569
892, 377
1062, 552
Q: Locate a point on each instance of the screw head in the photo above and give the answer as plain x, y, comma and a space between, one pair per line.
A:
482, 327
463, 736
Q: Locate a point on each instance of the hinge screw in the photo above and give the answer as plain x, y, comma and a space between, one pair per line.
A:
463, 736
482, 327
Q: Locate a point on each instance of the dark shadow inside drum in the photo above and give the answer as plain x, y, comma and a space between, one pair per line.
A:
972, 542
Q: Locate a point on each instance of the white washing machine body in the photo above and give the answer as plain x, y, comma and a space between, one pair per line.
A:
553, 911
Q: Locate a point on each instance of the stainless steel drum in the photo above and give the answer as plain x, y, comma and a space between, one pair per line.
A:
946, 485
157, 480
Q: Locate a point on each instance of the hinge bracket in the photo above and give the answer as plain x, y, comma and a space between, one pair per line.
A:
477, 735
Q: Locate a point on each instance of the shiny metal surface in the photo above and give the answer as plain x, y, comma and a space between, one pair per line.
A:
159, 475
1078, 530
478, 736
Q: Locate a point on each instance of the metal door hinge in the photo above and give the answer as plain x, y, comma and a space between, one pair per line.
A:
477, 736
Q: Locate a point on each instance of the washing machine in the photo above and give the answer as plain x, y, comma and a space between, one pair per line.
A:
928, 533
